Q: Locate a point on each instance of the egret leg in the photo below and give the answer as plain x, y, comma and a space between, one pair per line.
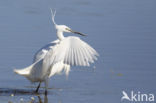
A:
46, 86
46, 92
38, 87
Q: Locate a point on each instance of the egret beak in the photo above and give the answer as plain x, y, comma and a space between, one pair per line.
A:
78, 33
75, 32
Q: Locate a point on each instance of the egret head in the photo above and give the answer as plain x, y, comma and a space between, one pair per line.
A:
63, 28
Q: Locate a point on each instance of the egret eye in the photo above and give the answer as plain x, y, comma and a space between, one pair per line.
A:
67, 29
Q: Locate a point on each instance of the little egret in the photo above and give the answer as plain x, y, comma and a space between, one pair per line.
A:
58, 56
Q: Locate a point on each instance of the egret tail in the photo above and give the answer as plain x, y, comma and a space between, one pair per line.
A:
24, 71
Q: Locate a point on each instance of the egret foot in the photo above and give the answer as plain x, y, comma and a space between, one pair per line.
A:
38, 87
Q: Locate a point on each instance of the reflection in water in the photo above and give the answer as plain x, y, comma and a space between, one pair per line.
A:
24, 95
45, 99
33, 100
8, 91
39, 99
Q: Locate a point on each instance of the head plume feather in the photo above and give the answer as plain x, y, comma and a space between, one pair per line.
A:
53, 16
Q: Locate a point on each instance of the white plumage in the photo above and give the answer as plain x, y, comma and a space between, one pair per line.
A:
58, 56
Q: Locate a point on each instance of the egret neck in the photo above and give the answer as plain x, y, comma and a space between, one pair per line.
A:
60, 35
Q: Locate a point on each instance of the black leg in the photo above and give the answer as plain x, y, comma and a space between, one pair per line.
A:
38, 87
46, 92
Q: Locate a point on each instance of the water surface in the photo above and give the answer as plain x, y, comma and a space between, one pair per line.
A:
122, 31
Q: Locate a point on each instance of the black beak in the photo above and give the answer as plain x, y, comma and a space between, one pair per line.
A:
75, 32
79, 33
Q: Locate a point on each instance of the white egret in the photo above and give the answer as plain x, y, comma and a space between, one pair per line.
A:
58, 56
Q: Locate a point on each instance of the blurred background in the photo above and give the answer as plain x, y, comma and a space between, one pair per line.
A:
122, 31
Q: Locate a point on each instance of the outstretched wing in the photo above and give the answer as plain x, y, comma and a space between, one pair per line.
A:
42, 51
70, 51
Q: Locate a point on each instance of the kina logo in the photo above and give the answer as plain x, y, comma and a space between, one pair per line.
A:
137, 96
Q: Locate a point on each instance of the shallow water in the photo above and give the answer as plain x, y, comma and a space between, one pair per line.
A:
122, 31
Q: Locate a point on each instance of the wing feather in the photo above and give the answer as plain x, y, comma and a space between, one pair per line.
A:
90, 59
40, 54
75, 57
81, 57
71, 57
72, 51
